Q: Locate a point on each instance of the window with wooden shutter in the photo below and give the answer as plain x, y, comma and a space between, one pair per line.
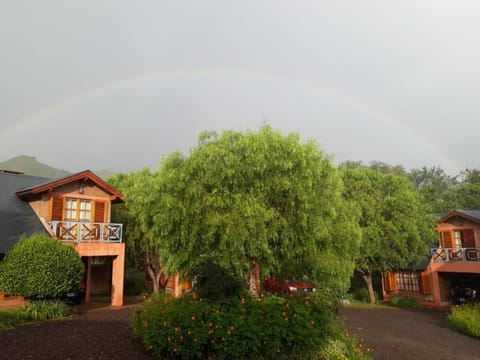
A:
57, 209
390, 281
447, 241
426, 284
468, 238
100, 207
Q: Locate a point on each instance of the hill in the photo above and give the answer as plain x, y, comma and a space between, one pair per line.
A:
31, 166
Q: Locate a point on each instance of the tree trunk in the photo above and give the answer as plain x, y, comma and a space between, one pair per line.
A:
367, 276
155, 272
254, 278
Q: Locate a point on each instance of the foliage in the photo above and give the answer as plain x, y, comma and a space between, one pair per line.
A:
43, 310
245, 201
214, 283
33, 311
396, 223
10, 318
434, 185
264, 328
361, 294
134, 282
40, 266
147, 203
466, 319
405, 303
463, 196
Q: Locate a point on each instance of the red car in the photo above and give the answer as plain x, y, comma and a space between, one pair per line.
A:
288, 285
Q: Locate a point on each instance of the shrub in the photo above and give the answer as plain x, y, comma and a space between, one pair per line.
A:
43, 310
215, 283
33, 311
466, 319
361, 294
265, 328
405, 303
134, 282
39, 266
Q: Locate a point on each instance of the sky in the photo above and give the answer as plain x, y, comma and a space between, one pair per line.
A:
118, 84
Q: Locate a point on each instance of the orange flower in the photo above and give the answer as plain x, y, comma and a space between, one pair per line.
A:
193, 317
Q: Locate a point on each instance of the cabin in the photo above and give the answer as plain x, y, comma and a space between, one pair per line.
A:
75, 210
453, 263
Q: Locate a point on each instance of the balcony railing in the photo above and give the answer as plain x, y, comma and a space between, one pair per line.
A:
86, 232
455, 255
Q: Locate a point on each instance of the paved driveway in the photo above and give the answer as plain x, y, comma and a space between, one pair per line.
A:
408, 335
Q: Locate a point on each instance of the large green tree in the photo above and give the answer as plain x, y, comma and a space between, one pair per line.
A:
152, 215
396, 223
245, 202
434, 185
259, 200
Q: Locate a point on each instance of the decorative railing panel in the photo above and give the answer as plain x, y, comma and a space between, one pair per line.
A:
455, 254
77, 231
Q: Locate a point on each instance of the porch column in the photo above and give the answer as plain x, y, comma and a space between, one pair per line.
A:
88, 279
437, 299
117, 277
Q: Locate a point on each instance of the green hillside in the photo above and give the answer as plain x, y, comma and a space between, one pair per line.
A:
31, 166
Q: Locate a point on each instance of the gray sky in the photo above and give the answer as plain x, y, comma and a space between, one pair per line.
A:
117, 84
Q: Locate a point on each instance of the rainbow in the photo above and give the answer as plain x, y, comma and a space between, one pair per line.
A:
49, 110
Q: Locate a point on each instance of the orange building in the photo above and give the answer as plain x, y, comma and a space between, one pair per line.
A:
74, 209
454, 263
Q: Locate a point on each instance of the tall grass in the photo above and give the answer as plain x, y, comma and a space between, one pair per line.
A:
466, 319
33, 311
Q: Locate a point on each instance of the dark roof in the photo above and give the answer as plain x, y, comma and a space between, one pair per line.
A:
16, 216
49, 184
472, 215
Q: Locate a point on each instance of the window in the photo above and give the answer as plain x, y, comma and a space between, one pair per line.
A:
458, 236
77, 210
407, 281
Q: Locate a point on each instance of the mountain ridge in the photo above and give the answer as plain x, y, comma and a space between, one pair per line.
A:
29, 165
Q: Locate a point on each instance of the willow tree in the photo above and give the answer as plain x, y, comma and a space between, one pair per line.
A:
151, 217
256, 200
395, 222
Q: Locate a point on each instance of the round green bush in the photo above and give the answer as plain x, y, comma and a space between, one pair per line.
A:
264, 328
40, 266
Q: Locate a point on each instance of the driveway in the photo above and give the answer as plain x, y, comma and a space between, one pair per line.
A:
408, 334
97, 332
103, 332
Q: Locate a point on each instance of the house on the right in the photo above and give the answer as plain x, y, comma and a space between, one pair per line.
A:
453, 266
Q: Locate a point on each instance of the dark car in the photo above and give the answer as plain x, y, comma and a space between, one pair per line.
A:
464, 295
77, 295
288, 285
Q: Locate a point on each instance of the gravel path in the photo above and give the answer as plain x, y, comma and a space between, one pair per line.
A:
96, 334
408, 335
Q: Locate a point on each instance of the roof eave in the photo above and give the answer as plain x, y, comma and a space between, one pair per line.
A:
115, 195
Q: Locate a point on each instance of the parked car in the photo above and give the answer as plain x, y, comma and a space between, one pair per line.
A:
288, 285
464, 295
77, 295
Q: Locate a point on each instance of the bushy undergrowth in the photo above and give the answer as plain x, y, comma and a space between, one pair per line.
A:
466, 319
265, 328
405, 303
33, 311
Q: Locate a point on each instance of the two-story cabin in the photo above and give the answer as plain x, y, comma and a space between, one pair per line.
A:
453, 263
74, 209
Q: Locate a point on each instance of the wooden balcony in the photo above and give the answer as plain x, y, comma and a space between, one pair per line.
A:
86, 232
449, 255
